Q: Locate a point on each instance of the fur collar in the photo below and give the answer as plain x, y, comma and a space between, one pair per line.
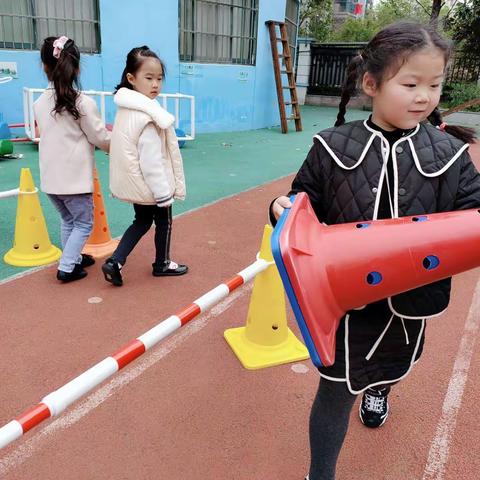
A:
133, 100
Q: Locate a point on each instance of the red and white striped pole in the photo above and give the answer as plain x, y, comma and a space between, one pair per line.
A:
56, 402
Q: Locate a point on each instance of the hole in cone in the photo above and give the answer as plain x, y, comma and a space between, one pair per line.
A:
430, 262
374, 278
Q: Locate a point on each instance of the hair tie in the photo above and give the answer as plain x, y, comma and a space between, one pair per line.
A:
442, 126
58, 45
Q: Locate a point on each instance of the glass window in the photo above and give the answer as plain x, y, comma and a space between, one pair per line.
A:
291, 21
218, 31
25, 23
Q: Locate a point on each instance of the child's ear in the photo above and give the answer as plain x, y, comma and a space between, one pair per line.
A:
369, 85
130, 79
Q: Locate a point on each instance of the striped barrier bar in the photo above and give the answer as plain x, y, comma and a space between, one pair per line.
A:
56, 402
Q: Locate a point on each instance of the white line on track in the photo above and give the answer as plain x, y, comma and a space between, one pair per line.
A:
440, 446
26, 449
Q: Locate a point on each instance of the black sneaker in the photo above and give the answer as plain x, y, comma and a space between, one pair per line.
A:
374, 407
169, 269
77, 274
87, 260
111, 272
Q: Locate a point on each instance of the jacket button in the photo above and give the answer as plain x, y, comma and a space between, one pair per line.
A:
399, 149
402, 191
374, 189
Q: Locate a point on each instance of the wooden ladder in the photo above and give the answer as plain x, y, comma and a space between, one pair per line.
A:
288, 63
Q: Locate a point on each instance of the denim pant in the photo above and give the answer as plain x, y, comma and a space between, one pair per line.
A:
76, 212
145, 215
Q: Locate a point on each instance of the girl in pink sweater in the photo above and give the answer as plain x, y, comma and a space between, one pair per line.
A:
70, 128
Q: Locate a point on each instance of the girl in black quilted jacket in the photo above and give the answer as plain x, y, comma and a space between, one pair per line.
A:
394, 164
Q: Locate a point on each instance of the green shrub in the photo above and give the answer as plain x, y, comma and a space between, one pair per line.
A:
457, 93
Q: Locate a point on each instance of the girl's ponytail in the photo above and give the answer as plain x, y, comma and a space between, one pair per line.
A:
61, 59
355, 67
465, 134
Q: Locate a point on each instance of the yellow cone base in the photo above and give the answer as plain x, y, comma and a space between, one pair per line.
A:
17, 259
101, 250
254, 356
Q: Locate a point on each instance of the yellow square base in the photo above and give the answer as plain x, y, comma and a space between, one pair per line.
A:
253, 356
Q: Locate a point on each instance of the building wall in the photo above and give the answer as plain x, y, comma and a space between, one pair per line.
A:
228, 97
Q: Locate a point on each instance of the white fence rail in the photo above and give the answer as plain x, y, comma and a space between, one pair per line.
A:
29, 114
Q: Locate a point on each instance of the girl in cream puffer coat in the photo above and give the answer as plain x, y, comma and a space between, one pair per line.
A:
146, 167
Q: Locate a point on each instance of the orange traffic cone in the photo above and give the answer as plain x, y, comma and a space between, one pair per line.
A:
100, 243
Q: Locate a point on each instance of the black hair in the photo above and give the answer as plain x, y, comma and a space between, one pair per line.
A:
136, 56
386, 52
63, 72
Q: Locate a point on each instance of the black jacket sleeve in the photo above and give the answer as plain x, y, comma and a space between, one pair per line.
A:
309, 179
468, 192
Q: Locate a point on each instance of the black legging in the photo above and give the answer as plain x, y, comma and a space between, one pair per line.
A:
328, 426
144, 216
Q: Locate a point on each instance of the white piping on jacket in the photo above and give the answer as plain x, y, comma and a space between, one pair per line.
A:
379, 339
407, 340
382, 382
443, 169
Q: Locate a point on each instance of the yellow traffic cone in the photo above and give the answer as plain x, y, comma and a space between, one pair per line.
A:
31, 245
266, 340
99, 243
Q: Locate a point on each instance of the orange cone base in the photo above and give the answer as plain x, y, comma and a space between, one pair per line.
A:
101, 250
13, 257
254, 356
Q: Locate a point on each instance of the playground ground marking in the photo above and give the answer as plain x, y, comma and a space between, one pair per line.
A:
28, 448
440, 446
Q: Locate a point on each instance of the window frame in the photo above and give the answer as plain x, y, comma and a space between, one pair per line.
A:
196, 39
31, 19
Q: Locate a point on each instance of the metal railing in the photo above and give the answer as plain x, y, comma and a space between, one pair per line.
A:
328, 66
464, 68
329, 63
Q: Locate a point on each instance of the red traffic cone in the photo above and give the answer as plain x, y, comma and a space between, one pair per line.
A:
329, 270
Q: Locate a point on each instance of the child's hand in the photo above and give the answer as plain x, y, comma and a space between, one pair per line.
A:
279, 205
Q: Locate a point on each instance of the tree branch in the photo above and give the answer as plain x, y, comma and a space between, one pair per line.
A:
462, 106
451, 8
424, 9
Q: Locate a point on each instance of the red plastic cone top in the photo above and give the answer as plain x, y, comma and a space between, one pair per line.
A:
330, 270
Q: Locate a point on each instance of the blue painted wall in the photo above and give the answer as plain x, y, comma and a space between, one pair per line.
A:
228, 97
